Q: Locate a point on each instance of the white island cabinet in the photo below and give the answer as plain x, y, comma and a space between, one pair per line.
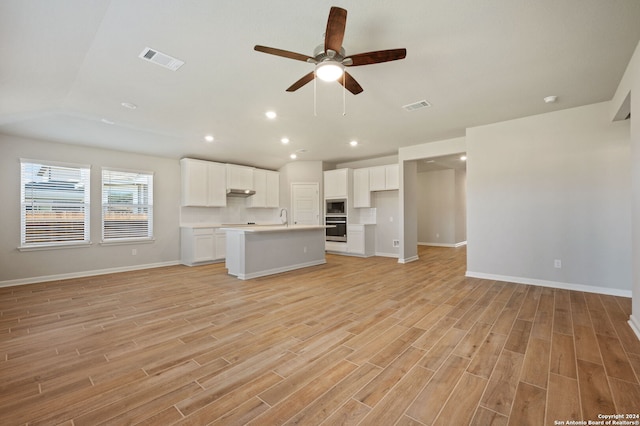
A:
256, 251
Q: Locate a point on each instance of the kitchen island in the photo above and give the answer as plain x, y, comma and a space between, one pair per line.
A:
256, 251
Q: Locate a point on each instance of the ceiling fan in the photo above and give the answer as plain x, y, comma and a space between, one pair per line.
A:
331, 58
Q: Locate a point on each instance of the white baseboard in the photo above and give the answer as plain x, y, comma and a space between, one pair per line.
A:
635, 325
45, 278
552, 284
387, 254
460, 244
280, 269
408, 259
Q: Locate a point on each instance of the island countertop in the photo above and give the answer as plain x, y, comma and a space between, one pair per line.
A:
274, 228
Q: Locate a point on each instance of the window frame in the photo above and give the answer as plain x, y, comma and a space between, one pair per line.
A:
105, 205
84, 171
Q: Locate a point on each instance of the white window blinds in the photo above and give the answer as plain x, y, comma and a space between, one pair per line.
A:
127, 205
54, 204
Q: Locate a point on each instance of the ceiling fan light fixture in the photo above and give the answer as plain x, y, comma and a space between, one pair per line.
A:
329, 70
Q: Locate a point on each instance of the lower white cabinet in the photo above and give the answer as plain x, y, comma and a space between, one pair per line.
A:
335, 247
221, 244
201, 245
361, 239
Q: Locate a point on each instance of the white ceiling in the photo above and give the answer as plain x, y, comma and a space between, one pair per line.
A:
68, 64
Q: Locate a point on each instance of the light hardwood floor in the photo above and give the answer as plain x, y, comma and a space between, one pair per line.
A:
355, 341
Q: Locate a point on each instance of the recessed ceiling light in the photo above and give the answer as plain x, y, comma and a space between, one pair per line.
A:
550, 99
293, 156
353, 143
129, 105
271, 115
284, 141
463, 158
208, 138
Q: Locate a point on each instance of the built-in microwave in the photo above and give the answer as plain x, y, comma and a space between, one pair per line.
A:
336, 207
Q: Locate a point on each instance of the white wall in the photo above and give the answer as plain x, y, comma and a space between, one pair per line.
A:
387, 222
441, 207
626, 100
371, 162
551, 186
21, 267
460, 203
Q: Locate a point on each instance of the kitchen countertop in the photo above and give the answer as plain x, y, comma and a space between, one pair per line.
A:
274, 228
225, 225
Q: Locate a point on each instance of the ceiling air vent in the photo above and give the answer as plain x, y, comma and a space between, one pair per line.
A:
161, 59
417, 105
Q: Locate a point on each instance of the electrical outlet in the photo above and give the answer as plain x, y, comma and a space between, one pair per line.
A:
557, 263
396, 243
304, 249
437, 235
134, 252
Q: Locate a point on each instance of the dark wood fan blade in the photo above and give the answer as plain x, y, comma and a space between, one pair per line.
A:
376, 57
334, 34
298, 84
284, 53
351, 83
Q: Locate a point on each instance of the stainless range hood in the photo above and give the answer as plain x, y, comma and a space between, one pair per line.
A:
233, 192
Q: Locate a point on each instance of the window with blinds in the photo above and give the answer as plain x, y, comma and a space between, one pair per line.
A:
54, 200
127, 205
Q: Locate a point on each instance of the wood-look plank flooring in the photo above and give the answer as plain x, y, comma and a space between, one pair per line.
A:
355, 341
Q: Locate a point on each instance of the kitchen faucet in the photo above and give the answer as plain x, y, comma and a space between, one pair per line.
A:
283, 217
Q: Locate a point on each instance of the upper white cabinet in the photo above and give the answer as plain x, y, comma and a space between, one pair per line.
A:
392, 176
382, 178
336, 183
273, 189
203, 183
361, 191
239, 177
267, 186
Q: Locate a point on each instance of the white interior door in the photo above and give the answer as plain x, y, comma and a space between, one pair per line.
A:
305, 202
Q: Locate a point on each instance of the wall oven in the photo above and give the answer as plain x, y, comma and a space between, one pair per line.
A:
336, 207
338, 231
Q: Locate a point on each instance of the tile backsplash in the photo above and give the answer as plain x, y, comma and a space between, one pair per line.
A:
235, 212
